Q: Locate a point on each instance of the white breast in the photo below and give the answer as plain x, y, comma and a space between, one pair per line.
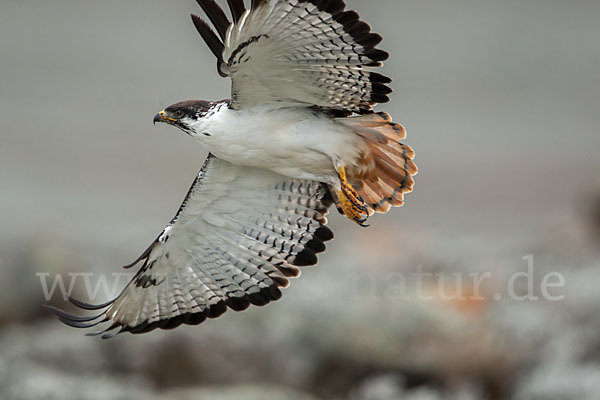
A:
293, 142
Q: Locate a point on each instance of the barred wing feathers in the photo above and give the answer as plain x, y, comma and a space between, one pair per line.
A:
237, 238
296, 52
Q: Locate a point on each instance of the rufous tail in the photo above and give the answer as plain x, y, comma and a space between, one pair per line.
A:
384, 173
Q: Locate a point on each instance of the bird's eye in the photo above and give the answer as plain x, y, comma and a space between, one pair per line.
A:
179, 114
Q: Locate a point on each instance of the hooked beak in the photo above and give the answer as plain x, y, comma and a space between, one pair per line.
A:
160, 117
163, 117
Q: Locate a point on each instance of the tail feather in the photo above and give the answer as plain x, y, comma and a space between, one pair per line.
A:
384, 173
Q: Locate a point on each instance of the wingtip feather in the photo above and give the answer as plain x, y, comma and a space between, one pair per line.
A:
210, 37
216, 15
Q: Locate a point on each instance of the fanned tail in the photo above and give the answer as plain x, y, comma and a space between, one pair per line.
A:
385, 170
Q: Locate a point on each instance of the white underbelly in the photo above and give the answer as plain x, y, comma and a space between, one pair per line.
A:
295, 144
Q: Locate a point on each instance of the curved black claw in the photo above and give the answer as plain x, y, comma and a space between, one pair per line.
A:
361, 221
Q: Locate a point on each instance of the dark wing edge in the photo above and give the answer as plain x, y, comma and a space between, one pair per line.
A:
353, 26
219, 20
312, 240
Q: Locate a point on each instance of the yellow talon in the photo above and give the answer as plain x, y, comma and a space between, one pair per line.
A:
351, 203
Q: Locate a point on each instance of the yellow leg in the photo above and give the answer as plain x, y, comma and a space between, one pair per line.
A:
352, 205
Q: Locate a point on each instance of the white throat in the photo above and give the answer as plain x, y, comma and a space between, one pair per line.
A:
214, 120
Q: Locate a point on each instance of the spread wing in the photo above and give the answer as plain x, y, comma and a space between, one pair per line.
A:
237, 238
296, 53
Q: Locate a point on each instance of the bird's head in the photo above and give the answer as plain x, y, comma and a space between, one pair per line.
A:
188, 115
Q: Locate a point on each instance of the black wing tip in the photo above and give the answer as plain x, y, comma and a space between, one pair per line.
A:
348, 19
378, 78
64, 315
305, 258
237, 9
379, 98
377, 55
216, 15
81, 325
77, 321
370, 40
167, 323
265, 296
333, 7
262, 298
85, 321
324, 233
209, 36
238, 303
88, 306
381, 88
316, 245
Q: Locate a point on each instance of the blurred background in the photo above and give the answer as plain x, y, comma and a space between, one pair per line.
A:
501, 103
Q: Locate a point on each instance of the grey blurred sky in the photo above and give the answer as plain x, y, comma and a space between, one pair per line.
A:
500, 98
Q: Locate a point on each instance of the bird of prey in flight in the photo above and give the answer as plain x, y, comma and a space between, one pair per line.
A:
298, 135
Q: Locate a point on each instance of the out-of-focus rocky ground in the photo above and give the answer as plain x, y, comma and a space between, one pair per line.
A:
500, 101
352, 328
